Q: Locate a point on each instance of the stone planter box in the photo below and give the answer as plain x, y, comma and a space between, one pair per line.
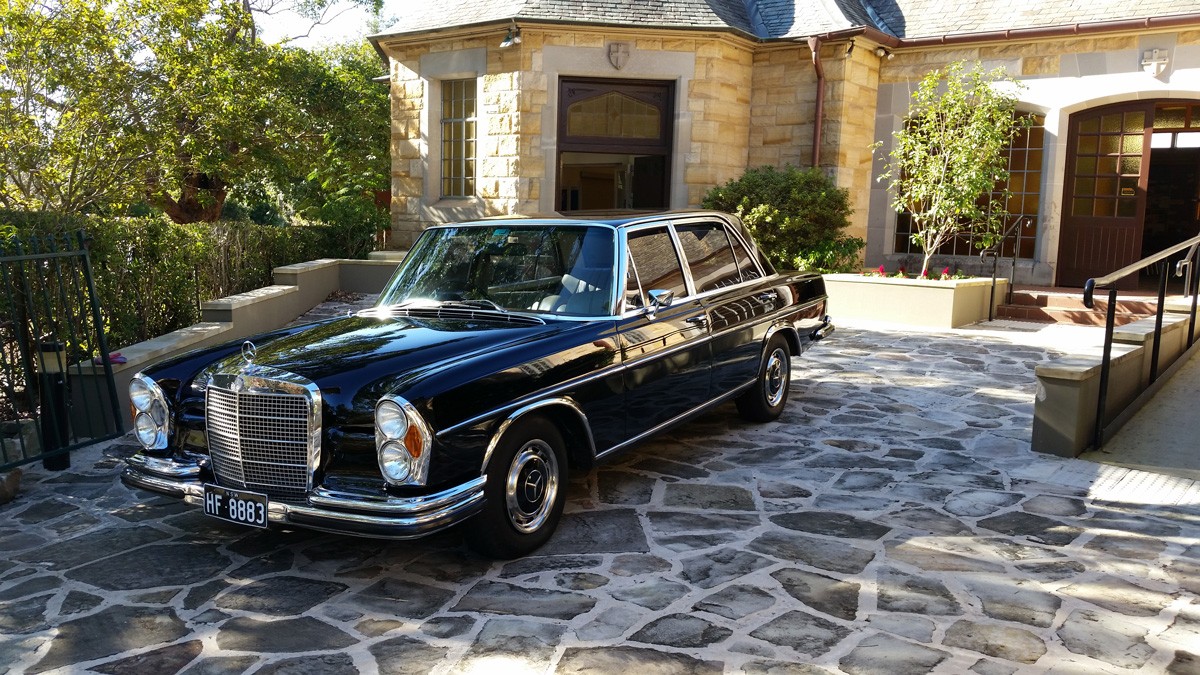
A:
914, 302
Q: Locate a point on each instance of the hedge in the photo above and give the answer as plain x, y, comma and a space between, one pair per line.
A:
152, 274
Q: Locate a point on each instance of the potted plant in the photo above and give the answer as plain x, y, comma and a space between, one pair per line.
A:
948, 169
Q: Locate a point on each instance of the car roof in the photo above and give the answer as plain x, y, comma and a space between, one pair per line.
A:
610, 219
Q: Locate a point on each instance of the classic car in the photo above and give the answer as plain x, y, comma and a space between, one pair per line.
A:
500, 355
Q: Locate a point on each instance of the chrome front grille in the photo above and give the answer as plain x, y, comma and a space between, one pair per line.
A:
263, 430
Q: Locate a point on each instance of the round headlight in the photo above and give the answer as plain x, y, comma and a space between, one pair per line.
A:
391, 420
146, 430
140, 394
395, 462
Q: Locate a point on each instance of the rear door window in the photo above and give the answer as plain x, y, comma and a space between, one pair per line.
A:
709, 255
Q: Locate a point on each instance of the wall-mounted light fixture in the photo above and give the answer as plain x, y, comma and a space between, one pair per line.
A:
883, 52
850, 49
513, 37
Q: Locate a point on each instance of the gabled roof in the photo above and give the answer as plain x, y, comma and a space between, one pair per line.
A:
789, 19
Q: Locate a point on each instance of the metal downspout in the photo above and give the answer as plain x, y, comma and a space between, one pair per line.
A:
814, 44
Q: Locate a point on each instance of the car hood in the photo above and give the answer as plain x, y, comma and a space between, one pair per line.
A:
345, 355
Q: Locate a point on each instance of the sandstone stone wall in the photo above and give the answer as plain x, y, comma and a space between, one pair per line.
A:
517, 115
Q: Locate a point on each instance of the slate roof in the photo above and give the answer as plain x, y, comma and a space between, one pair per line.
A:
932, 18
777, 19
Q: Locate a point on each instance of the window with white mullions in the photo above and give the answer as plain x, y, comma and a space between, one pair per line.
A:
459, 126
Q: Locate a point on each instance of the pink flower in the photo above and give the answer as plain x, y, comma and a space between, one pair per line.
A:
882, 271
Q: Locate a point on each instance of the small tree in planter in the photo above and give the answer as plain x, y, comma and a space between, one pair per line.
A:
947, 168
796, 216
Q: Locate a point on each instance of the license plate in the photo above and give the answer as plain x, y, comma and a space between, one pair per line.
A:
236, 506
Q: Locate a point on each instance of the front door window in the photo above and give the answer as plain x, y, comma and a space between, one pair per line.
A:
614, 144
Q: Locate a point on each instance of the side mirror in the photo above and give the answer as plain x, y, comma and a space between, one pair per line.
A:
660, 299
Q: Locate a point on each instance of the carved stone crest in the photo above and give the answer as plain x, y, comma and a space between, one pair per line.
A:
618, 54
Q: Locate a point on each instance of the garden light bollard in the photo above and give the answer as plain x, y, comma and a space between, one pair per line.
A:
54, 404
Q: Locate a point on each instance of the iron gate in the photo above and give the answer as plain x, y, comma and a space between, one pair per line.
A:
56, 382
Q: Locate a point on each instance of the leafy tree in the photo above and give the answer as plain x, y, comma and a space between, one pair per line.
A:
947, 168
62, 140
174, 103
349, 165
796, 216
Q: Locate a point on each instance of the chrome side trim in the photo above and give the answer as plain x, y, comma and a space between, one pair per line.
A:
678, 418
516, 414
545, 394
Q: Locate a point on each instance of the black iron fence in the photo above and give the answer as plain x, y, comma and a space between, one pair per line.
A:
56, 382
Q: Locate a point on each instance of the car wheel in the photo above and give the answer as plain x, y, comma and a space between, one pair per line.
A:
525, 491
765, 400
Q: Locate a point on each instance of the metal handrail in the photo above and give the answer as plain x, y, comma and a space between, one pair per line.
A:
995, 251
1187, 262
1109, 282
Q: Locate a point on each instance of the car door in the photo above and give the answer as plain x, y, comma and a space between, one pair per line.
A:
724, 274
665, 349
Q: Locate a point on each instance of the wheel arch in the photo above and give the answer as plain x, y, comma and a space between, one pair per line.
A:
567, 417
789, 335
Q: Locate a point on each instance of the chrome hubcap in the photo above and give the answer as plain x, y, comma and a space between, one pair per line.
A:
531, 487
775, 379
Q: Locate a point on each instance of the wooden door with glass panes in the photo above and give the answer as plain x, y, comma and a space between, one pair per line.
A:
1173, 188
1105, 194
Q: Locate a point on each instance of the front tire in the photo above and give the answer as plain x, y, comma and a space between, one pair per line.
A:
765, 401
525, 491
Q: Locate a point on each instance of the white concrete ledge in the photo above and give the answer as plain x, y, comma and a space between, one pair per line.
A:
298, 288
1068, 389
916, 302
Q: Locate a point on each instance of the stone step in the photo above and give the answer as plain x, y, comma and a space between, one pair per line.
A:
1079, 317
1068, 308
1135, 305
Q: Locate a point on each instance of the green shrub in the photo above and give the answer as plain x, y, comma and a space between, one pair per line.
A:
797, 217
152, 274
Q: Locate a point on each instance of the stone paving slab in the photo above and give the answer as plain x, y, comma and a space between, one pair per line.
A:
894, 520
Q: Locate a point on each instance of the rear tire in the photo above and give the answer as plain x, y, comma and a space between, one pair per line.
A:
765, 401
525, 491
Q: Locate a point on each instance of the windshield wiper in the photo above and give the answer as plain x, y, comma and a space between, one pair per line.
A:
478, 302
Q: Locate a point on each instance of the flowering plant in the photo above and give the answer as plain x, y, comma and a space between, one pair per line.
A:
901, 273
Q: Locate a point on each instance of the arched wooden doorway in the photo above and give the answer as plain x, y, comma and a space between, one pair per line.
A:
1132, 185
614, 144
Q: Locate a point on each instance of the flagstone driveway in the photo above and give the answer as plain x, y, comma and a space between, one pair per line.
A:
893, 521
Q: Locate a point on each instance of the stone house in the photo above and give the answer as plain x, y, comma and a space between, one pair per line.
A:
542, 106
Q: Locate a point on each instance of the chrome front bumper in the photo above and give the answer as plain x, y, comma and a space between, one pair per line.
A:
362, 514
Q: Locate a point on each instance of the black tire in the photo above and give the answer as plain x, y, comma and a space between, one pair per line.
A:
525, 491
765, 401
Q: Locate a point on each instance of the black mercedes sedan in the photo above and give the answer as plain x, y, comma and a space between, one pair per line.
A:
501, 355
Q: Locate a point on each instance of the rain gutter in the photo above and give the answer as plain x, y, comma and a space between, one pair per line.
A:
1065, 30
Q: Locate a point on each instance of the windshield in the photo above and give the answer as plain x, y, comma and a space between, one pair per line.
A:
562, 269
